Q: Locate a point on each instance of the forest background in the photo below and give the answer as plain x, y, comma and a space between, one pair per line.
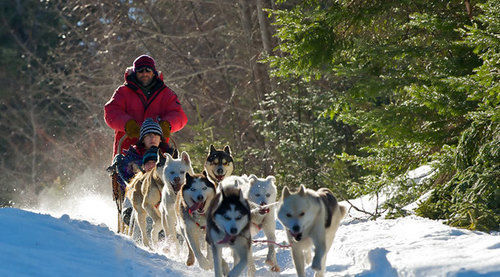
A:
345, 94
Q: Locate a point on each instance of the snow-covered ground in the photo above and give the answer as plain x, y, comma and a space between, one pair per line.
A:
76, 238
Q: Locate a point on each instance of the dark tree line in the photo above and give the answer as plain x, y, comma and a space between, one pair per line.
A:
345, 94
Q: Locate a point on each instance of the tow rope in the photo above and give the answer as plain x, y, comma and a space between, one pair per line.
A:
273, 242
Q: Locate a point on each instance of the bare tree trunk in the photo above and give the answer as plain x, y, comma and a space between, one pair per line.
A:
265, 31
246, 19
33, 142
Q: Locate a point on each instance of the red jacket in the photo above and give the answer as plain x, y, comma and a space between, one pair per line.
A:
129, 102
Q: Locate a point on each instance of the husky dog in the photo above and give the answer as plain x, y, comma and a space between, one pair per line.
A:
145, 189
191, 205
261, 195
310, 218
173, 174
219, 164
228, 225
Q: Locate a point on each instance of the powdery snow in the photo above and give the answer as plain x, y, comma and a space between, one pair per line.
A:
35, 244
73, 235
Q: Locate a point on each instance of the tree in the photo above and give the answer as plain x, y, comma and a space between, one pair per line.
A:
390, 69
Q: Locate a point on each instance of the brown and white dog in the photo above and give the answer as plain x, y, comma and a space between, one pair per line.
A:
145, 189
310, 218
219, 164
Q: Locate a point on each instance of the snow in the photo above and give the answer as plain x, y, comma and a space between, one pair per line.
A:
54, 240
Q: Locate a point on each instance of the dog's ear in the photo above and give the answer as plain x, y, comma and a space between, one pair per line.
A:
223, 194
241, 197
204, 174
227, 150
252, 178
175, 154
189, 178
285, 192
185, 158
212, 149
271, 178
302, 190
160, 160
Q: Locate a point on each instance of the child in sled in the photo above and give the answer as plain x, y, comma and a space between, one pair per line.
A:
141, 156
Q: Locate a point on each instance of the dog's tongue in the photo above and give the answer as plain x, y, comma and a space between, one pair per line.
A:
297, 236
264, 211
197, 206
219, 177
227, 239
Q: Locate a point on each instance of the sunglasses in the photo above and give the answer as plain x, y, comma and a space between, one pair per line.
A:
145, 69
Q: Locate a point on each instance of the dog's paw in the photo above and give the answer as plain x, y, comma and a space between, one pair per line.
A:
316, 265
275, 268
190, 261
273, 265
205, 264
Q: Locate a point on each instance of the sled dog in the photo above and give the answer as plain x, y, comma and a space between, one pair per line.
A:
173, 174
261, 195
219, 164
310, 218
146, 190
228, 225
191, 205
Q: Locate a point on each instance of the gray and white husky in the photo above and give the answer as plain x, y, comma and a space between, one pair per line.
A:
173, 174
310, 218
228, 225
191, 205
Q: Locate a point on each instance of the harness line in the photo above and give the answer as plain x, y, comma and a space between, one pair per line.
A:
273, 242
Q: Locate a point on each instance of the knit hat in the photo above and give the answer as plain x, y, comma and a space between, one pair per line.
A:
144, 61
150, 126
150, 155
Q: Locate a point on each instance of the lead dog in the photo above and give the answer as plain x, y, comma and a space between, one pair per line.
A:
191, 205
219, 164
173, 174
228, 225
310, 218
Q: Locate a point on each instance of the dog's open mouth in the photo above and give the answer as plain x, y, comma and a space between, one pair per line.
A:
227, 239
198, 207
219, 177
296, 236
264, 211
176, 187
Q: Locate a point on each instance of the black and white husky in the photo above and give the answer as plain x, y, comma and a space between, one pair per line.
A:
192, 203
228, 225
311, 218
219, 164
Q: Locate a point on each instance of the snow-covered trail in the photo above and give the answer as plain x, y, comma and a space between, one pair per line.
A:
33, 244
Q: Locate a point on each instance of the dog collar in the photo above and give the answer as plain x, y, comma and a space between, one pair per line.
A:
259, 226
201, 227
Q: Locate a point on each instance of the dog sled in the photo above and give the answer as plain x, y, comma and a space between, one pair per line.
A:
119, 184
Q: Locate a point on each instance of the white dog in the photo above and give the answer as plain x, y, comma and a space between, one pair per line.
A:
310, 218
173, 174
261, 195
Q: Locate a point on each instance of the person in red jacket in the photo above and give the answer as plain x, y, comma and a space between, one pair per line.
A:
143, 95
